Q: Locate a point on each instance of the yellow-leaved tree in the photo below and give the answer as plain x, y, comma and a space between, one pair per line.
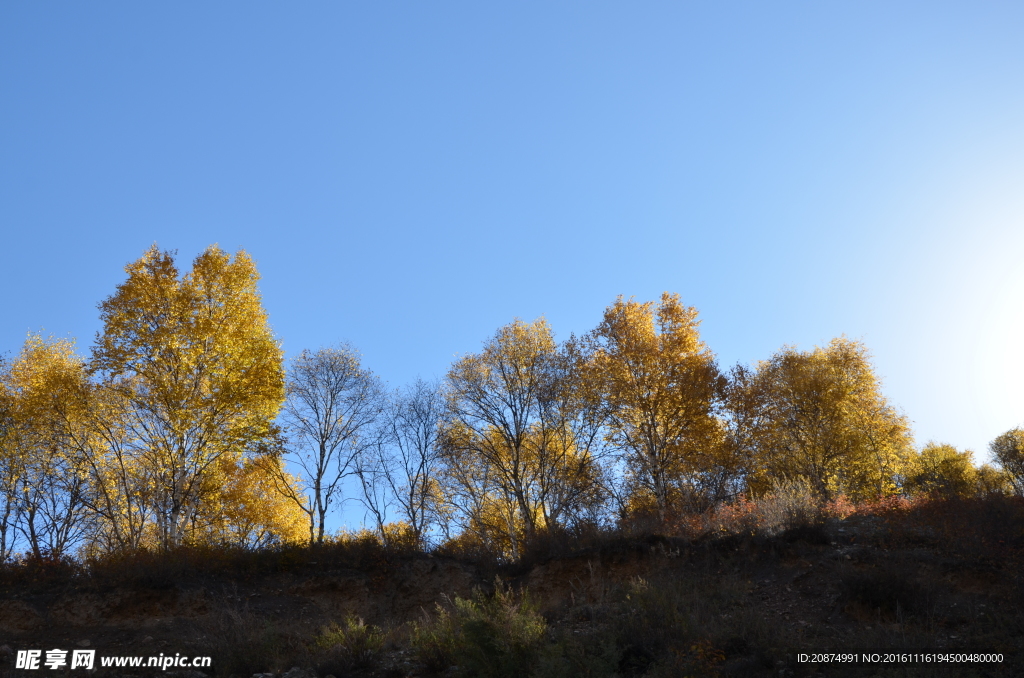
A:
195, 373
1008, 451
243, 505
820, 416
941, 470
519, 440
662, 390
41, 476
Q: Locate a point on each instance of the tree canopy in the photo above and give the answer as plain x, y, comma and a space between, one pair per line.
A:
184, 426
820, 416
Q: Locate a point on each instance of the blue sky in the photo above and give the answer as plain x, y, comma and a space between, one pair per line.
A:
411, 176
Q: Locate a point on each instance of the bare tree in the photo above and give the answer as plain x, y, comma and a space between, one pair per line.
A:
404, 467
330, 410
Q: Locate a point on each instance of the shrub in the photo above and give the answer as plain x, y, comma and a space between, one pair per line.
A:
790, 504
491, 637
350, 646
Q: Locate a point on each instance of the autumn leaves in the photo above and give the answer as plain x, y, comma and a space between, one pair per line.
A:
158, 439
636, 419
177, 428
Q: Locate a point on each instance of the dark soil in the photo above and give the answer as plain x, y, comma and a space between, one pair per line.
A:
942, 577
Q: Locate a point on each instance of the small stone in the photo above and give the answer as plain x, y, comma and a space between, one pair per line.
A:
84, 643
296, 672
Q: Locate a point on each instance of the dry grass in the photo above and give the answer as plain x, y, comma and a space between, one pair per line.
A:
737, 592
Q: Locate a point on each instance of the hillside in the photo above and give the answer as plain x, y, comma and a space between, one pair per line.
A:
935, 576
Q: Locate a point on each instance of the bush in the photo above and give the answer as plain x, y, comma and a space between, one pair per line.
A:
353, 645
491, 637
790, 506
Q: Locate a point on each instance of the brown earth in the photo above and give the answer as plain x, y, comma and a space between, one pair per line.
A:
867, 583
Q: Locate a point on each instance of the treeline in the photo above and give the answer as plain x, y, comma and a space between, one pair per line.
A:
182, 424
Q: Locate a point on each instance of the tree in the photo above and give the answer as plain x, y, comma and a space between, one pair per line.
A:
662, 390
405, 463
246, 508
124, 484
820, 416
9, 468
43, 479
517, 438
942, 471
44, 482
991, 480
1008, 450
331, 407
197, 371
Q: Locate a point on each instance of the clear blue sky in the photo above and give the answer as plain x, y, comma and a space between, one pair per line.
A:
411, 176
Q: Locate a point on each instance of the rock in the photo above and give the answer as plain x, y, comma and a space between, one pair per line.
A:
296, 672
84, 643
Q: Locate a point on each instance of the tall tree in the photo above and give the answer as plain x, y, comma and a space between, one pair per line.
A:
662, 390
330, 411
194, 361
517, 439
820, 416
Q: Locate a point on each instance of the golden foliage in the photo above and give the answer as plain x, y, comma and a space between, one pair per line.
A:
662, 388
198, 368
519, 441
820, 416
1008, 450
941, 470
41, 477
991, 480
243, 505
